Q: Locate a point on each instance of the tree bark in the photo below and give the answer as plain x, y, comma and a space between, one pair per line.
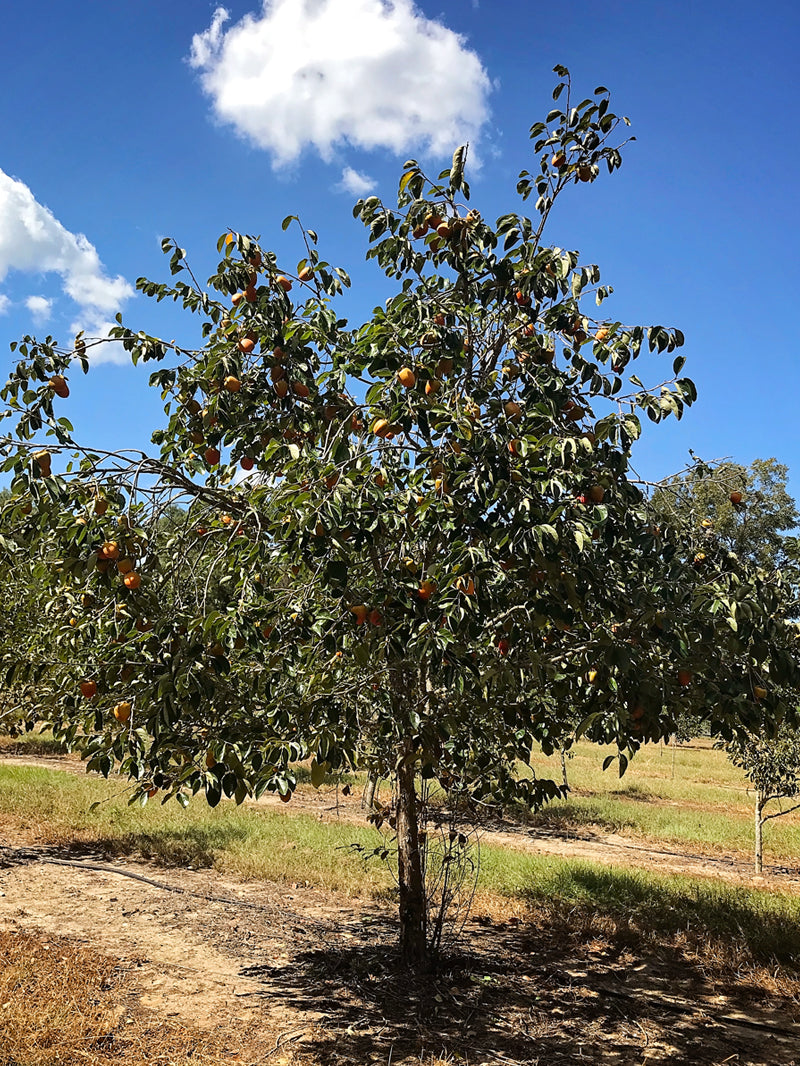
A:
413, 910
563, 755
759, 850
369, 792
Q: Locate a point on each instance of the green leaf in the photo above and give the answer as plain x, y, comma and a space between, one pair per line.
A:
319, 771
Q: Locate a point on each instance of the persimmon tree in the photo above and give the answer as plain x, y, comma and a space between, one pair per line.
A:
772, 765
412, 546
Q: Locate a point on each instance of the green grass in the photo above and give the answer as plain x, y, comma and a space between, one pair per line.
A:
249, 842
243, 841
766, 924
705, 805
32, 744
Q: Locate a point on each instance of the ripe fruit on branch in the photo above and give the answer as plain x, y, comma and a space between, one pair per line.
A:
522, 299
42, 459
109, 550
432, 386
132, 580
284, 282
125, 566
58, 383
597, 493
122, 712
246, 463
306, 274
466, 584
88, 689
246, 345
735, 498
381, 427
250, 293
375, 617
503, 646
281, 387
360, 612
426, 590
559, 161
602, 333
513, 411
212, 456
444, 366
515, 447
407, 377
585, 173
759, 692
300, 389
684, 677
231, 383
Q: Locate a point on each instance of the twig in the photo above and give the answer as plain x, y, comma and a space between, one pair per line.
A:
282, 1043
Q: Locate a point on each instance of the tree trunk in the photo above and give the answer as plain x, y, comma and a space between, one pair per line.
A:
413, 911
563, 755
369, 792
759, 851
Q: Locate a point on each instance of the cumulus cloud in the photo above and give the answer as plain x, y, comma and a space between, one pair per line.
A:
5, 303
40, 307
327, 73
355, 182
32, 240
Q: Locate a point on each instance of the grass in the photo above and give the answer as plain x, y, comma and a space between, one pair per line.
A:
253, 843
704, 806
243, 841
61, 1002
766, 925
32, 744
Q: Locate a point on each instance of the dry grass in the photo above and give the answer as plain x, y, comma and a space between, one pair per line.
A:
61, 1002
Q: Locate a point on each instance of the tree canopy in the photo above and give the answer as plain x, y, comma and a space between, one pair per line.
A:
412, 545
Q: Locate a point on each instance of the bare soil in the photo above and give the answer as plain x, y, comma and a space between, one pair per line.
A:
320, 971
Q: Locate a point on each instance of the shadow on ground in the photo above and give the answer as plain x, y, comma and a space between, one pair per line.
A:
523, 993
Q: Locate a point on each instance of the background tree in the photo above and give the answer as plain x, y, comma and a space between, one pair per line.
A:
748, 508
772, 765
439, 554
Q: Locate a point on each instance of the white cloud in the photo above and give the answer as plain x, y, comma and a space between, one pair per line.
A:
323, 73
32, 240
5, 303
40, 307
355, 182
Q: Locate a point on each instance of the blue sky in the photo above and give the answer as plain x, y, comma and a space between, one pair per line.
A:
111, 127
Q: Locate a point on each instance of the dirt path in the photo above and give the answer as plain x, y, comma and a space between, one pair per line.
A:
591, 844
